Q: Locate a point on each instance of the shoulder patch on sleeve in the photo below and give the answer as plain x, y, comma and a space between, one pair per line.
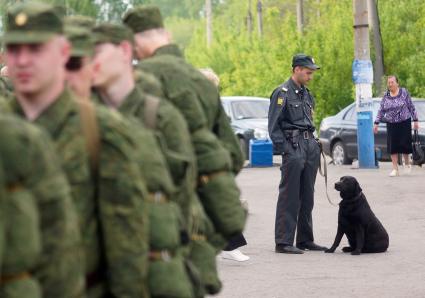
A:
280, 100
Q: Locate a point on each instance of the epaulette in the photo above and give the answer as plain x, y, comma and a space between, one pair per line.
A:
284, 89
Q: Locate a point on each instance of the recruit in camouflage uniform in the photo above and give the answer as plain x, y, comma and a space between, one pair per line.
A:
191, 83
114, 44
42, 256
182, 85
95, 149
217, 189
20, 237
166, 266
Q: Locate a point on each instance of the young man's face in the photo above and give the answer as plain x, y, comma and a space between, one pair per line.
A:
303, 75
79, 75
34, 67
142, 48
107, 64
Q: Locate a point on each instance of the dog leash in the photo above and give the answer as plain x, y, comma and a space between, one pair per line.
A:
324, 172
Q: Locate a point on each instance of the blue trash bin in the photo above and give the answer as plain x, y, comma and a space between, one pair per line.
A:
260, 153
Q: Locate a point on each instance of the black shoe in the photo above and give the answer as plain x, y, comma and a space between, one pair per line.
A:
310, 246
288, 249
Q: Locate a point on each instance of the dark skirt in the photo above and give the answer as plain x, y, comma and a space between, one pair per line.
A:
399, 137
235, 242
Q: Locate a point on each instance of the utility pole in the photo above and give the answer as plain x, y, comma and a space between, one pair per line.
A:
208, 9
300, 16
377, 45
249, 19
363, 79
260, 18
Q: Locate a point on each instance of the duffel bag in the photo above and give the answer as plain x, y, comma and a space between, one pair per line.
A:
219, 195
22, 245
166, 224
168, 276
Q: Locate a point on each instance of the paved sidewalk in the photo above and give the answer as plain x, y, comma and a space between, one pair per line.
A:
398, 202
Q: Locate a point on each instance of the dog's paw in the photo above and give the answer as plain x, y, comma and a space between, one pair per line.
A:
330, 250
355, 253
347, 249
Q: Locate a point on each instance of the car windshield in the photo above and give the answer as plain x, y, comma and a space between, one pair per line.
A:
250, 109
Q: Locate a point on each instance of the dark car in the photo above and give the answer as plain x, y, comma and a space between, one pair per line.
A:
248, 117
338, 133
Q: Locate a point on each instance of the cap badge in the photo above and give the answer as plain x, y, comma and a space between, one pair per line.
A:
21, 19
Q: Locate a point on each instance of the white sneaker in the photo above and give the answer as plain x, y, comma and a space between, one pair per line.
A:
408, 169
235, 255
394, 173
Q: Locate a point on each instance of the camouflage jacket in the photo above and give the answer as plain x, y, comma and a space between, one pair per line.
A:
148, 83
216, 186
32, 171
174, 139
110, 206
193, 94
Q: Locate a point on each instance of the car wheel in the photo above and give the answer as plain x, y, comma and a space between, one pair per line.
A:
339, 154
244, 147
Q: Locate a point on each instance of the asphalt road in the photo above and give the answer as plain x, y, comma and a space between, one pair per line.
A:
399, 203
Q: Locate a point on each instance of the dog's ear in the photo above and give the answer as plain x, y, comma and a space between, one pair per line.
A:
358, 189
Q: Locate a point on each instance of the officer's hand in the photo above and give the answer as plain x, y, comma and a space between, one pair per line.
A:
375, 128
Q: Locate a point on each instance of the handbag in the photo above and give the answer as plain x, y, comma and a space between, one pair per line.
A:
418, 154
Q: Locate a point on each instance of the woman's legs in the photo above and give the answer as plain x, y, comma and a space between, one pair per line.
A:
406, 160
394, 159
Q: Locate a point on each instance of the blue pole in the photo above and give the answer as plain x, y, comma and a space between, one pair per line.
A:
365, 140
363, 79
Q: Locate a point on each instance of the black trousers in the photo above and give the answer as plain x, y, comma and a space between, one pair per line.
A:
296, 192
235, 242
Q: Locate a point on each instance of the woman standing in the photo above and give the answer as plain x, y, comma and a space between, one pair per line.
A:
397, 110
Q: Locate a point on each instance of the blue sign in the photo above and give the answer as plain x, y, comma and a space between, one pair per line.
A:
362, 72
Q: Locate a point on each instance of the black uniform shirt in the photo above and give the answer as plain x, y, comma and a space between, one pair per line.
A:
297, 112
291, 107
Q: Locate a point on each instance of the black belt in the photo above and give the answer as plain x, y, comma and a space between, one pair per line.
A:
292, 133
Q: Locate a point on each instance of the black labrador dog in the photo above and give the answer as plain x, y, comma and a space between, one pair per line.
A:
364, 231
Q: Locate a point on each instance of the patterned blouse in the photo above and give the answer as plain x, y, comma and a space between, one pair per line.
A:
396, 109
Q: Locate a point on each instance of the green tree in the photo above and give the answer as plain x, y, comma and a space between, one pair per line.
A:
254, 66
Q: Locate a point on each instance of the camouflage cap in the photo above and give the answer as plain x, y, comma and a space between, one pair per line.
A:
31, 22
143, 18
112, 33
81, 39
80, 21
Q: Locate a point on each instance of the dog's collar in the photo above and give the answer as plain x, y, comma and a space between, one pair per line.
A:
355, 199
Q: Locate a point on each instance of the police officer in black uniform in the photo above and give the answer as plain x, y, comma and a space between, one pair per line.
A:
291, 130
